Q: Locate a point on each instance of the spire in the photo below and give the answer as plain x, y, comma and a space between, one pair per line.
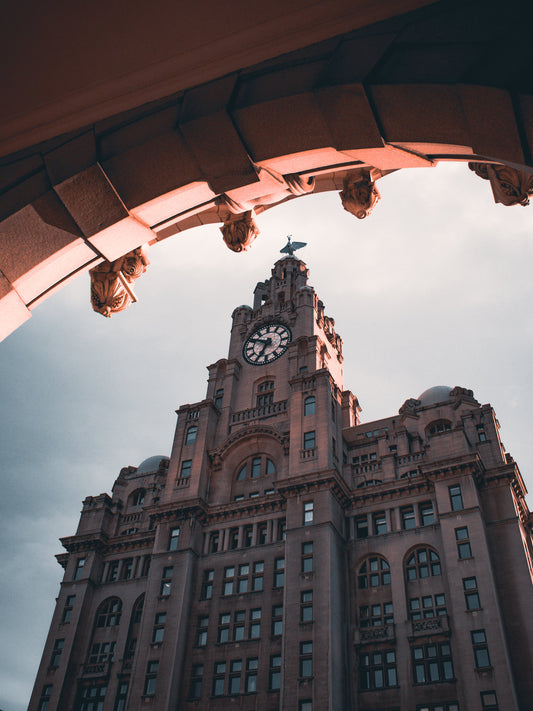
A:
291, 247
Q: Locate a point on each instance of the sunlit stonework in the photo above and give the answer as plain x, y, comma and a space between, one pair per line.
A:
360, 194
111, 282
509, 186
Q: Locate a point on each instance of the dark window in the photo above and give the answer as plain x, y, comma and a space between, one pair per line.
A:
242, 580
471, 593
376, 615
207, 585
112, 571
450, 706
456, 497
159, 627
279, 572
138, 497
439, 427
92, 697
481, 650
173, 538
261, 534
308, 512
219, 396
213, 542
463, 543
228, 583
224, 621
122, 694
242, 473
361, 527
56, 652
277, 620
186, 468
235, 669
151, 675
306, 606
432, 663
255, 623
79, 568
427, 607
309, 440
239, 625
201, 630
377, 670
489, 701
247, 535
374, 572
274, 679
252, 665
408, 518
379, 522
305, 705
256, 467
282, 529
191, 434
146, 566
309, 405
306, 659
422, 563
427, 515
257, 579
101, 652
67, 610
46, 693
265, 399
307, 557
219, 678
195, 687
109, 613
234, 538
126, 570
166, 582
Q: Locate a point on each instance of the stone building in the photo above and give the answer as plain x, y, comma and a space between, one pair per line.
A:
287, 556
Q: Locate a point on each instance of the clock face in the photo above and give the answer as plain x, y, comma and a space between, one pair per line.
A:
266, 344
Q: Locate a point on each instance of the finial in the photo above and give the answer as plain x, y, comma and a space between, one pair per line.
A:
291, 247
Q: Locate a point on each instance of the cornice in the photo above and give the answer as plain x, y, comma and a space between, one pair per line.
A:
315, 481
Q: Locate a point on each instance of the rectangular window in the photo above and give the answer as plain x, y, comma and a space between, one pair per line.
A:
219, 396
150, 679
233, 538
379, 521
166, 582
274, 678
195, 687
186, 466
229, 575
432, 663
255, 623
257, 579
307, 557
377, 670
213, 542
309, 405
361, 527
56, 652
235, 669
256, 467
277, 620
122, 694
79, 568
224, 620
376, 615
159, 628
191, 434
471, 593
489, 702
219, 678
201, 630
92, 697
67, 610
261, 534
207, 585
126, 571
450, 706
306, 659
408, 518
427, 607
481, 650
306, 606
309, 440
252, 665
146, 566
174, 538
308, 512
427, 515
279, 572
242, 580
112, 571
46, 693
463, 543
102, 652
456, 497
239, 625
247, 535
305, 705
282, 528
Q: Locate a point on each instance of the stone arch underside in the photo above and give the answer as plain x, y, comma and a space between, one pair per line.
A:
447, 82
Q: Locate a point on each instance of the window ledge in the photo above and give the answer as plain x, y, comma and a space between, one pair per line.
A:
484, 671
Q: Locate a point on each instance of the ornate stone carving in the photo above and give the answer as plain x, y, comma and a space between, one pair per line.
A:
240, 231
111, 282
509, 186
409, 407
360, 194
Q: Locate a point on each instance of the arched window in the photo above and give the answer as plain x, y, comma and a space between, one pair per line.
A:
135, 624
309, 405
438, 427
374, 572
421, 563
191, 434
265, 393
109, 612
137, 498
254, 467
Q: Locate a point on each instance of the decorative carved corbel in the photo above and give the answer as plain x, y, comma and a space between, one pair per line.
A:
359, 194
409, 407
111, 282
298, 185
239, 231
509, 186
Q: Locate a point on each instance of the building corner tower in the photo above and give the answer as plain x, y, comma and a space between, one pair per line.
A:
287, 557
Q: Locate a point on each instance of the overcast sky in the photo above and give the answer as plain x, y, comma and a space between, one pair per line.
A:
434, 288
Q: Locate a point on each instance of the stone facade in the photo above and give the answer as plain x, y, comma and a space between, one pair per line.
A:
287, 556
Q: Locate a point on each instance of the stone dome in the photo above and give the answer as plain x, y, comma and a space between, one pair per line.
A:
438, 393
151, 464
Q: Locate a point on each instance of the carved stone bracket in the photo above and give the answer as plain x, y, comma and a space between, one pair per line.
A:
360, 194
111, 282
239, 231
509, 186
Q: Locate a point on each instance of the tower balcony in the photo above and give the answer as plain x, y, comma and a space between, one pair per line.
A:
258, 413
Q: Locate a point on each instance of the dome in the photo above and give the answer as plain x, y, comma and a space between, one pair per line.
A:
151, 464
437, 393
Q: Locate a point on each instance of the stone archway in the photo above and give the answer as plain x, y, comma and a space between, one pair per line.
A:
410, 91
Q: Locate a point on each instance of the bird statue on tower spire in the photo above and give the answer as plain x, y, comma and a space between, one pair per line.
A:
291, 247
